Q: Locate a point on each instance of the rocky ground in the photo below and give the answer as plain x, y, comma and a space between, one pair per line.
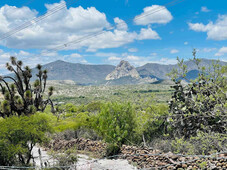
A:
86, 163
144, 157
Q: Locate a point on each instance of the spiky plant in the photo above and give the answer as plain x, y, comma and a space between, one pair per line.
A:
20, 97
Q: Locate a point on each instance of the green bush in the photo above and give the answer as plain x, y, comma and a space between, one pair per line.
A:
202, 143
65, 158
200, 105
154, 121
18, 135
116, 123
112, 149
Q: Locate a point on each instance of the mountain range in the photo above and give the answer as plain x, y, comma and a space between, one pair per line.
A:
124, 73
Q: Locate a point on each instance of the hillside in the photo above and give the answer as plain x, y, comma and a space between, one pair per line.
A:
124, 73
80, 73
160, 70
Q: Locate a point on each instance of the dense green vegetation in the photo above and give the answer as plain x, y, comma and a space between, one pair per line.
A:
143, 94
194, 121
18, 136
201, 105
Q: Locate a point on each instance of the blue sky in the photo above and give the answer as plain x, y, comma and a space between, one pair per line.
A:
141, 31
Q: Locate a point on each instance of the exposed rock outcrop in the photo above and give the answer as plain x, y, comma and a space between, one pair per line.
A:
123, 69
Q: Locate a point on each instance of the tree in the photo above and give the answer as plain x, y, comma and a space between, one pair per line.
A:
116, 123
200, 105
18, 136
20, 97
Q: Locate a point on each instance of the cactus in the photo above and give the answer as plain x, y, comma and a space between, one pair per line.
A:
20, 97
200, 105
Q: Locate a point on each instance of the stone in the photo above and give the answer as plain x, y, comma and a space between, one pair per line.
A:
123, 69
184, 166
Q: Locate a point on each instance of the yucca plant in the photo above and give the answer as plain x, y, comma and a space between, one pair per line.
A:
20, 97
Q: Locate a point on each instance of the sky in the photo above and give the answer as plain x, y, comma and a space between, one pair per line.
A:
107, 31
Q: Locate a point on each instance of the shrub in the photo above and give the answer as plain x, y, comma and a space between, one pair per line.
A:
155, 125
202, 144
112, 149
18, 136
116, 123
200, 105
66, 159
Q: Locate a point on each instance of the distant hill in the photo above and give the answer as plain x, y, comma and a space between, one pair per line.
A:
85, 74
80, 73
145, 73
193, 74
160, 70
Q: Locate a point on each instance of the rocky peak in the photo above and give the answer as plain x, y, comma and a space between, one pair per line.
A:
123, 69
124, 63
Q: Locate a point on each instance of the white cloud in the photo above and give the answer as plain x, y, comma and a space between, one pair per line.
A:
149, 16
76, 55
49, 53
174, 51
66, 25
222, 51
114, 58
204, 9
53, 30
207, 50
5, 56
215, 31
99, 54
148, 34
132, 50
167, 61
139, 61
121, 24
185, 43
24, 53
200, 27
132, 58
108, 39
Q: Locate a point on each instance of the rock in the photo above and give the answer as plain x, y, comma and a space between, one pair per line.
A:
182, 159
170, 167
184, 166
190, 167
142, 157
122, 70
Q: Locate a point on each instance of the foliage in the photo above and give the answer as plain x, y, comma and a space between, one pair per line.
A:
152, 122
200, 105
124, 93
112, 149
202, 143
203, 165
65, 158
20, 97
18, 136
116, 123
